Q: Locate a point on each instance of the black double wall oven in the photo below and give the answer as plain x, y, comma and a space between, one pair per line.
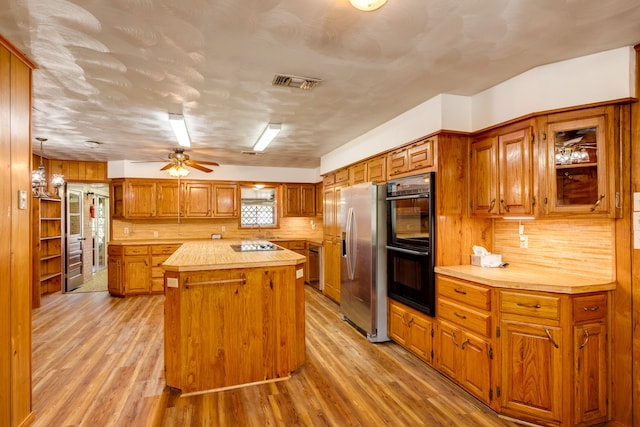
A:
411, 241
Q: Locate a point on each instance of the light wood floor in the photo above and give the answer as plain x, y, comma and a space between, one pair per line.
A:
98, 361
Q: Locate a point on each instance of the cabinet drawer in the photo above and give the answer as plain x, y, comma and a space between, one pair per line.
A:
115, 250
163, 249
472, 320
590, 307
545, 307
296, 244
136, 250
465, 292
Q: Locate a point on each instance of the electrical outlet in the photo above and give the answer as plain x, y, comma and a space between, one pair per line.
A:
155, 234
126, 231
223, 228
524, 241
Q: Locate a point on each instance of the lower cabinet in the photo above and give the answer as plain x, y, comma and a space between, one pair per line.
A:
331, 270
412, 329
464, 337
136, 269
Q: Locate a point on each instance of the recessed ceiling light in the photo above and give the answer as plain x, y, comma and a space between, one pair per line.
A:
367, 5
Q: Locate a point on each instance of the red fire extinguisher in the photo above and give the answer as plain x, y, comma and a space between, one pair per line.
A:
92, 211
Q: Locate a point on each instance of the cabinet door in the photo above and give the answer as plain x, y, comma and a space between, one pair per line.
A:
114, 276
397, 162
397, 324
420, 337
590, 373
420, 155
448, 341
475, 375
225, 201
141, 199
531, 370
136, 274
291, 200
117, 199
484, 177
319, 199
157, 273
168, 199
377, 170
332, 271
515, 173
307, 200
329, 213
358, 173
197, 200
577, 177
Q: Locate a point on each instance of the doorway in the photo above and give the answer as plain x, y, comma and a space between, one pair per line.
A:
86, 236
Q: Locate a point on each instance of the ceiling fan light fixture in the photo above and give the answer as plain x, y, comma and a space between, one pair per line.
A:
367, 5
180, 129
178, 171
267, 136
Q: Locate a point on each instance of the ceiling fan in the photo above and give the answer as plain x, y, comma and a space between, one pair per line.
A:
178, 159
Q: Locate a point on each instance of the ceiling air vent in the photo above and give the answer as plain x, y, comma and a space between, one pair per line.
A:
304, 83
251, 153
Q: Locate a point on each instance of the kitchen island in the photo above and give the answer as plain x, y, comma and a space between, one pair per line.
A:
234, 314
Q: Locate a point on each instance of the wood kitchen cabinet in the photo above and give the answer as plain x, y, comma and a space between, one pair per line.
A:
299, 200
331, 242
411, 159
47, 253
464, 336
169, 195
159, 254
197, 200
371, 170
554, 356
225, 201
501, 172
136, 270
115, 278
582, 157
411, 329
140, 199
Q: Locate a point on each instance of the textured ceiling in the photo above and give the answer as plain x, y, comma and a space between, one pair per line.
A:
111, 71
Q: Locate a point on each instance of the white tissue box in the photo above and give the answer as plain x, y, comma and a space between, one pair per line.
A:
488, 260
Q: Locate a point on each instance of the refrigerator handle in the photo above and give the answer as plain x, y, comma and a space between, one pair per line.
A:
350, 249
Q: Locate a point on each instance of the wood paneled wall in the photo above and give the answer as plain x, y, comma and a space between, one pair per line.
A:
72, 170
293, 227
15, 228
577, 246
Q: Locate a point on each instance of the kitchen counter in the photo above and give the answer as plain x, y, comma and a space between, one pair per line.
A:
219, 254
232, 318
526, 278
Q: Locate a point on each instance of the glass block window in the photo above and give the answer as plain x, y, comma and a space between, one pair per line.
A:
258, 215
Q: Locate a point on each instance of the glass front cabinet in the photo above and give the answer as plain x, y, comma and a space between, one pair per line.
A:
581, 151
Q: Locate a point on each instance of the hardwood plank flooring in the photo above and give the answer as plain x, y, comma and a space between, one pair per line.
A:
98, 360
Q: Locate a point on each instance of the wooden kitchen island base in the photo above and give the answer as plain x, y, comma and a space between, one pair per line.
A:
226, 327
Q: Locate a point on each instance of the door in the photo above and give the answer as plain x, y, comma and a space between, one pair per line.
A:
100, 222
75, 238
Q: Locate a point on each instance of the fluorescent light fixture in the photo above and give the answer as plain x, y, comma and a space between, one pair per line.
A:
180, 129
367, 5
267, 136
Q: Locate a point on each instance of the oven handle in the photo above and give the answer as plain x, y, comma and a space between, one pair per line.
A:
407, 251
409, 196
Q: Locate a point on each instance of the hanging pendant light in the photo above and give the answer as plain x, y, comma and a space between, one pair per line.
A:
39, 177
367, 5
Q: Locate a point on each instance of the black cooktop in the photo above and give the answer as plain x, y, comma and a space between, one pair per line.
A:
255, 246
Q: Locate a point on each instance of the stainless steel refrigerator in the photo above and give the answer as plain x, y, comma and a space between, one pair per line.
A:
363, 264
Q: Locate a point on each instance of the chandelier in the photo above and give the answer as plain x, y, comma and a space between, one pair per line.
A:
39, 177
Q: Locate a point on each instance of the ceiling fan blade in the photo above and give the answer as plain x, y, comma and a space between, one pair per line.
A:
197, 166
167, 166
202, 162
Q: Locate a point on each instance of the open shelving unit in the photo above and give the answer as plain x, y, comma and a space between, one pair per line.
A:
48, 250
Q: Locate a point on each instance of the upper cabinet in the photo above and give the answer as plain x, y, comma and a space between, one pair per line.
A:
145, 199
299, 200
501, 172
581, 158
411, 159
561, 164
372, 170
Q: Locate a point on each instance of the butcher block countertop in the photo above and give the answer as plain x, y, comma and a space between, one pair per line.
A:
219, 255
527, 278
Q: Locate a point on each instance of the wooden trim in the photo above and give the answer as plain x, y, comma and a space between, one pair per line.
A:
14, 50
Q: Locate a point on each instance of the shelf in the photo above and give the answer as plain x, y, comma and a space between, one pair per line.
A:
576, 165
50, 219
50, 237
49, 276
45, 258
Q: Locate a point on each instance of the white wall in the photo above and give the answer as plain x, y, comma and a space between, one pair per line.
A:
594, 78
128, 169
